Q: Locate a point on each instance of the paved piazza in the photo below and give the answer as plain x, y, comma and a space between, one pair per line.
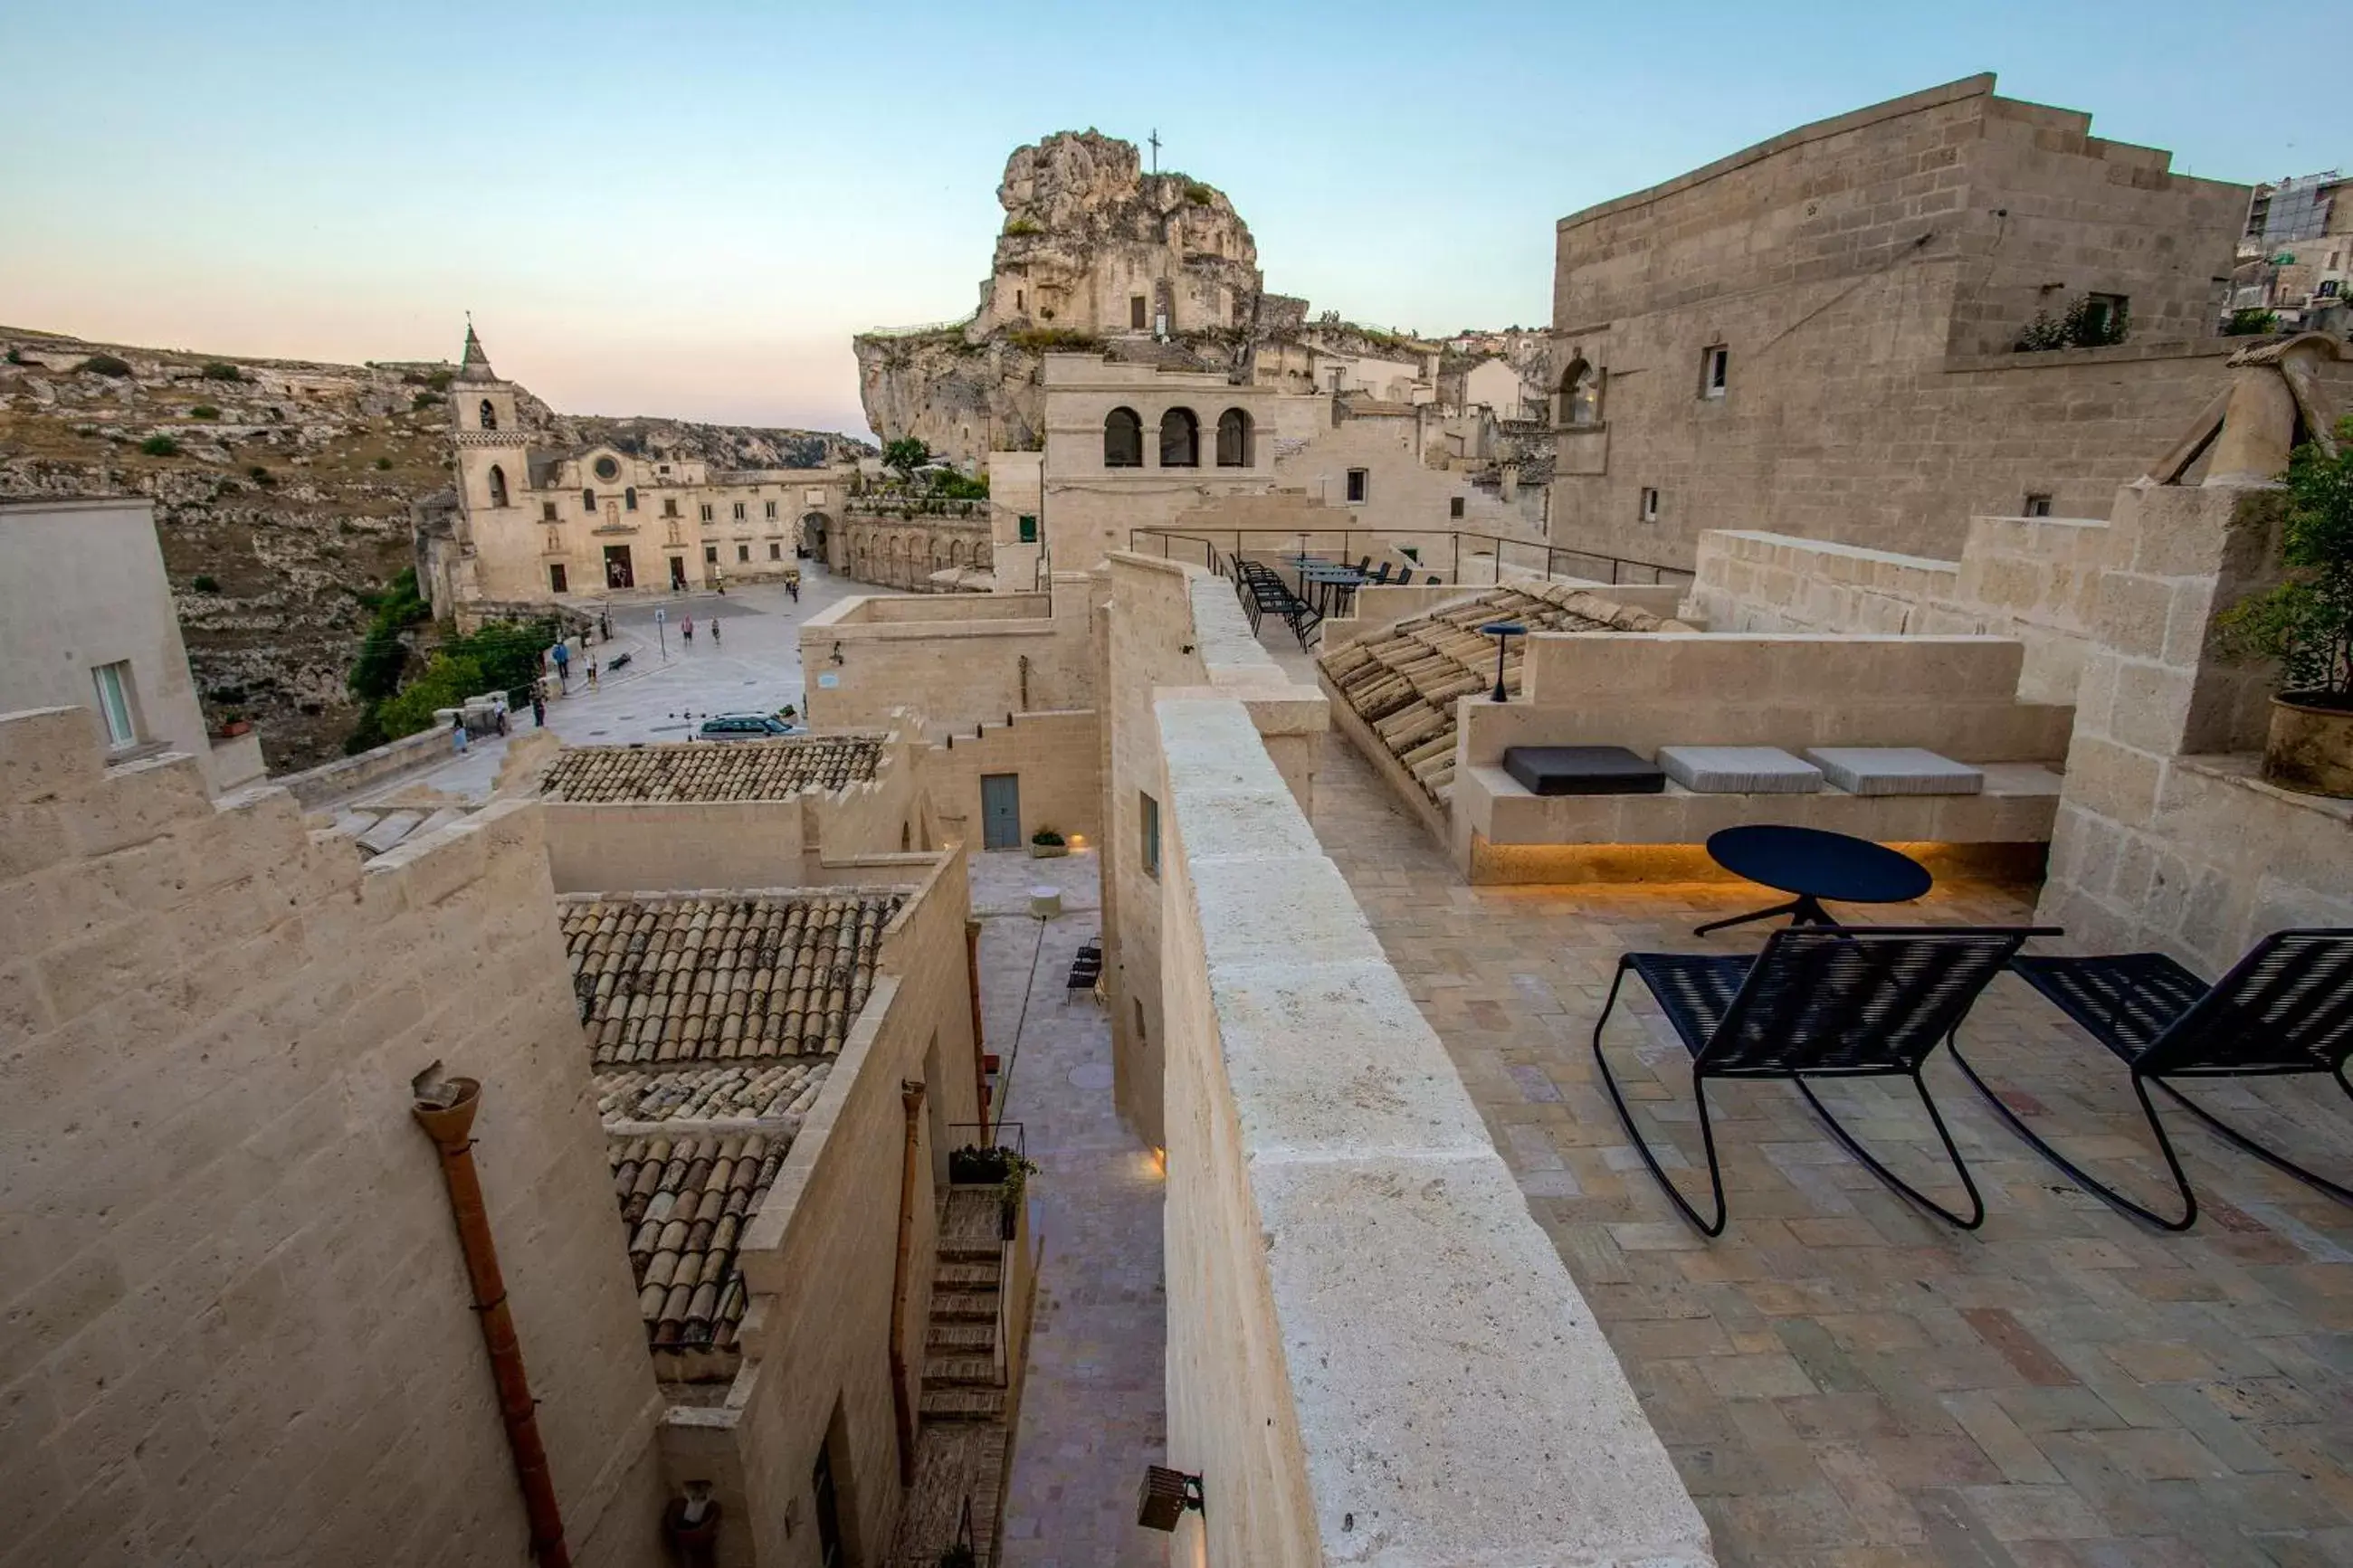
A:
1840, 1380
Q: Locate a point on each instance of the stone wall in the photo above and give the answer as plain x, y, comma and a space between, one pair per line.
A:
1867, 276
239, 1328
2032, 578
894, 552
1056, 757
957, 659
1333, 1196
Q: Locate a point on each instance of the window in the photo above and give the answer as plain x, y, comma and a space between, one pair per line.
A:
2037, 505
607, 469
629, 499
776, 551
706, 511
1020, 301
743, 555
1234, 439
1581, 395
498, 485
661, 468
589, 501
739, 512
1454, 506
710, 556
770, 507
2104, 318
1135, 317
1180, 439
1028, 528
114, 704
487, 416
1359, 481
1123, 440
1715, 367
669, 506
547, 512
1649, 504
1151, 808
556, 577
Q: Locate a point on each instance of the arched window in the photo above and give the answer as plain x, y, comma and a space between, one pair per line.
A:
1180, 439
489, 416
1581, 395
588, 501
1234, 439
629, 499
1123, 440
498, 486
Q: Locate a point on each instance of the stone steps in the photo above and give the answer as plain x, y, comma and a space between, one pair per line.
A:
975, 1275
964, 1306
962, 1337
957, 1402
949, 1370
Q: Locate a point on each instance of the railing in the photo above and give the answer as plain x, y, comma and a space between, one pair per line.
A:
984, 1136
922, 330
1544, 560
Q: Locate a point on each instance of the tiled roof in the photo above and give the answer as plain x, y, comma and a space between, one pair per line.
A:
706, 980
702, 1094
725, 770
1403, 682
685, 1203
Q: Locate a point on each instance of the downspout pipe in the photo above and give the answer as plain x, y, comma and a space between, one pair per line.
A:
445, 1108
980, 1046
903, 1400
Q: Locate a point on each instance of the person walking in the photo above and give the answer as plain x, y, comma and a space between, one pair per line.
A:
563, 657
793, 587
539, 703
686, 627
714, 631
592, 672
457, 733
605, 626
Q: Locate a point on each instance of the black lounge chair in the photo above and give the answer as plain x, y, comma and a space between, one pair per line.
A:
2286, 1007
1819, 1002
1086, 968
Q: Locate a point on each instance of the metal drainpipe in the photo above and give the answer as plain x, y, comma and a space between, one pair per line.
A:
903, 1402
979, 1046
445, 1108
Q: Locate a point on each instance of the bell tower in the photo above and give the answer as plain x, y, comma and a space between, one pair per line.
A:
493, 465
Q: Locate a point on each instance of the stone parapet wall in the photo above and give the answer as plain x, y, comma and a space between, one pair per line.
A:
1333, 1194
239, 1327
1057, 757
959, 660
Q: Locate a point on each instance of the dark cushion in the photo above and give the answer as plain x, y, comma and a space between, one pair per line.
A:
1583, 770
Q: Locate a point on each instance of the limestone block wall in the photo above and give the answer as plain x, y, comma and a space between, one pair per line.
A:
960, 660
2032, 578
2165, 839
1332, 1197
1403, 494
1057, 757
239, 1328
820, 1256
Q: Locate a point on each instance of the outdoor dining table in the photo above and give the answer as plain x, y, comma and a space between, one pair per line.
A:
1813, 864
1332, 580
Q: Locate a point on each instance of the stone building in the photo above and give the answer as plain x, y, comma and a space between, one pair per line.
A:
1819, 335
534, 525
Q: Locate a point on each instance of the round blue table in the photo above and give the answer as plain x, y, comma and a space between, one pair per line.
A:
1813, 864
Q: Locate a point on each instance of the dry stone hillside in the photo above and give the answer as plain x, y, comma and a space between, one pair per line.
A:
282, 490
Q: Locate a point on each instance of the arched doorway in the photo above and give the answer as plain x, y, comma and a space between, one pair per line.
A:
814, 528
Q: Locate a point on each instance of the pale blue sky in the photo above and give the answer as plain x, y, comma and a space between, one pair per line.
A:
687, 210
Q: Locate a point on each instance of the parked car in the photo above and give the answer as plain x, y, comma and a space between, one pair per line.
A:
745, 727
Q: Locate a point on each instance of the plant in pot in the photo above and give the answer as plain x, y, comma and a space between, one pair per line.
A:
1045, 844
1008, 1170
2307, 623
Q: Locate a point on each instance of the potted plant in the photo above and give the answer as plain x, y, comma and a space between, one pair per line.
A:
2307, 623
1046, 844
1007, 1170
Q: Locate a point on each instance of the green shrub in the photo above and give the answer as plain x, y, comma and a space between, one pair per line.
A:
105, 364
261, 475
205, 583
221, 369
1022, 226
160, 447
204, 411
906, 454
16, 357
228, 487
1199, 195
954, 486
2307, 622
2251, 323
423, 400
383, 464
440, 379
1054, 340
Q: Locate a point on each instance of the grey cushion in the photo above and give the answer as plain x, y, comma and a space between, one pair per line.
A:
1583, 770
1739, 770
1894, 769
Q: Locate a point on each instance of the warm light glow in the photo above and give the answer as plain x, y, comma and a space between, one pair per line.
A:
1159, 1160
1076, 841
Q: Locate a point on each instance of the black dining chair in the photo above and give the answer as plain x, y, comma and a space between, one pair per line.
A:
2285, 1008
1819, 1002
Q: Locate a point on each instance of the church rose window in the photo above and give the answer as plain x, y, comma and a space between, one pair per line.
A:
606, 468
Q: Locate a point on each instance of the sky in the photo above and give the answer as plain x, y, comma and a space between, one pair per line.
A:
688, 209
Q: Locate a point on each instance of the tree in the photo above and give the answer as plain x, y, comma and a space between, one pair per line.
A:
906, 454
2307, 622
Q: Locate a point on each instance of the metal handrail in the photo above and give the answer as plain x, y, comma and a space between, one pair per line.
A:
1622, 570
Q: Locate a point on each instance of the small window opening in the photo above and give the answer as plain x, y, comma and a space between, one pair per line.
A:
1649, 504
1715, 369
1359, 481
2037, 505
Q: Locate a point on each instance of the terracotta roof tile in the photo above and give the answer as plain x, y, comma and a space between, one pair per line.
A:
1403, 682
776, 1090
685, 1203
705, 980
731, 770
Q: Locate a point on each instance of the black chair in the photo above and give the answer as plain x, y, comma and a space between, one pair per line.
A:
1819, 1002
1380, 576
1432, 581
2286, 1007
1365, 564
1086, 968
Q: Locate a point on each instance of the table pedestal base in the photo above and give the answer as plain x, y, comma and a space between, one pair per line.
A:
1802, 910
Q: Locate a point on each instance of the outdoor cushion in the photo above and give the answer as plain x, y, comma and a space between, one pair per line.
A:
1894, 769
1739, 770
1583, 770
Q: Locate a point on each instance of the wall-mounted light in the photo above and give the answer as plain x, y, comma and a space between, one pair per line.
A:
837, 653
1502, 632
1165, 1495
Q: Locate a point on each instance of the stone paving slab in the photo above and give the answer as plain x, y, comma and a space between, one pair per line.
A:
1839, 1379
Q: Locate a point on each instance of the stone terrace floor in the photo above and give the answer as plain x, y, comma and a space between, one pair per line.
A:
1841, 1379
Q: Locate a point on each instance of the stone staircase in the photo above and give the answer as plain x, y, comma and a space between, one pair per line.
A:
960, 1451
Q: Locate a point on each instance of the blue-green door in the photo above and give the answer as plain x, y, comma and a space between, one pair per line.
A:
1000, 811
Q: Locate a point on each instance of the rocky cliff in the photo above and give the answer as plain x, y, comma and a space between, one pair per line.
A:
282, 490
